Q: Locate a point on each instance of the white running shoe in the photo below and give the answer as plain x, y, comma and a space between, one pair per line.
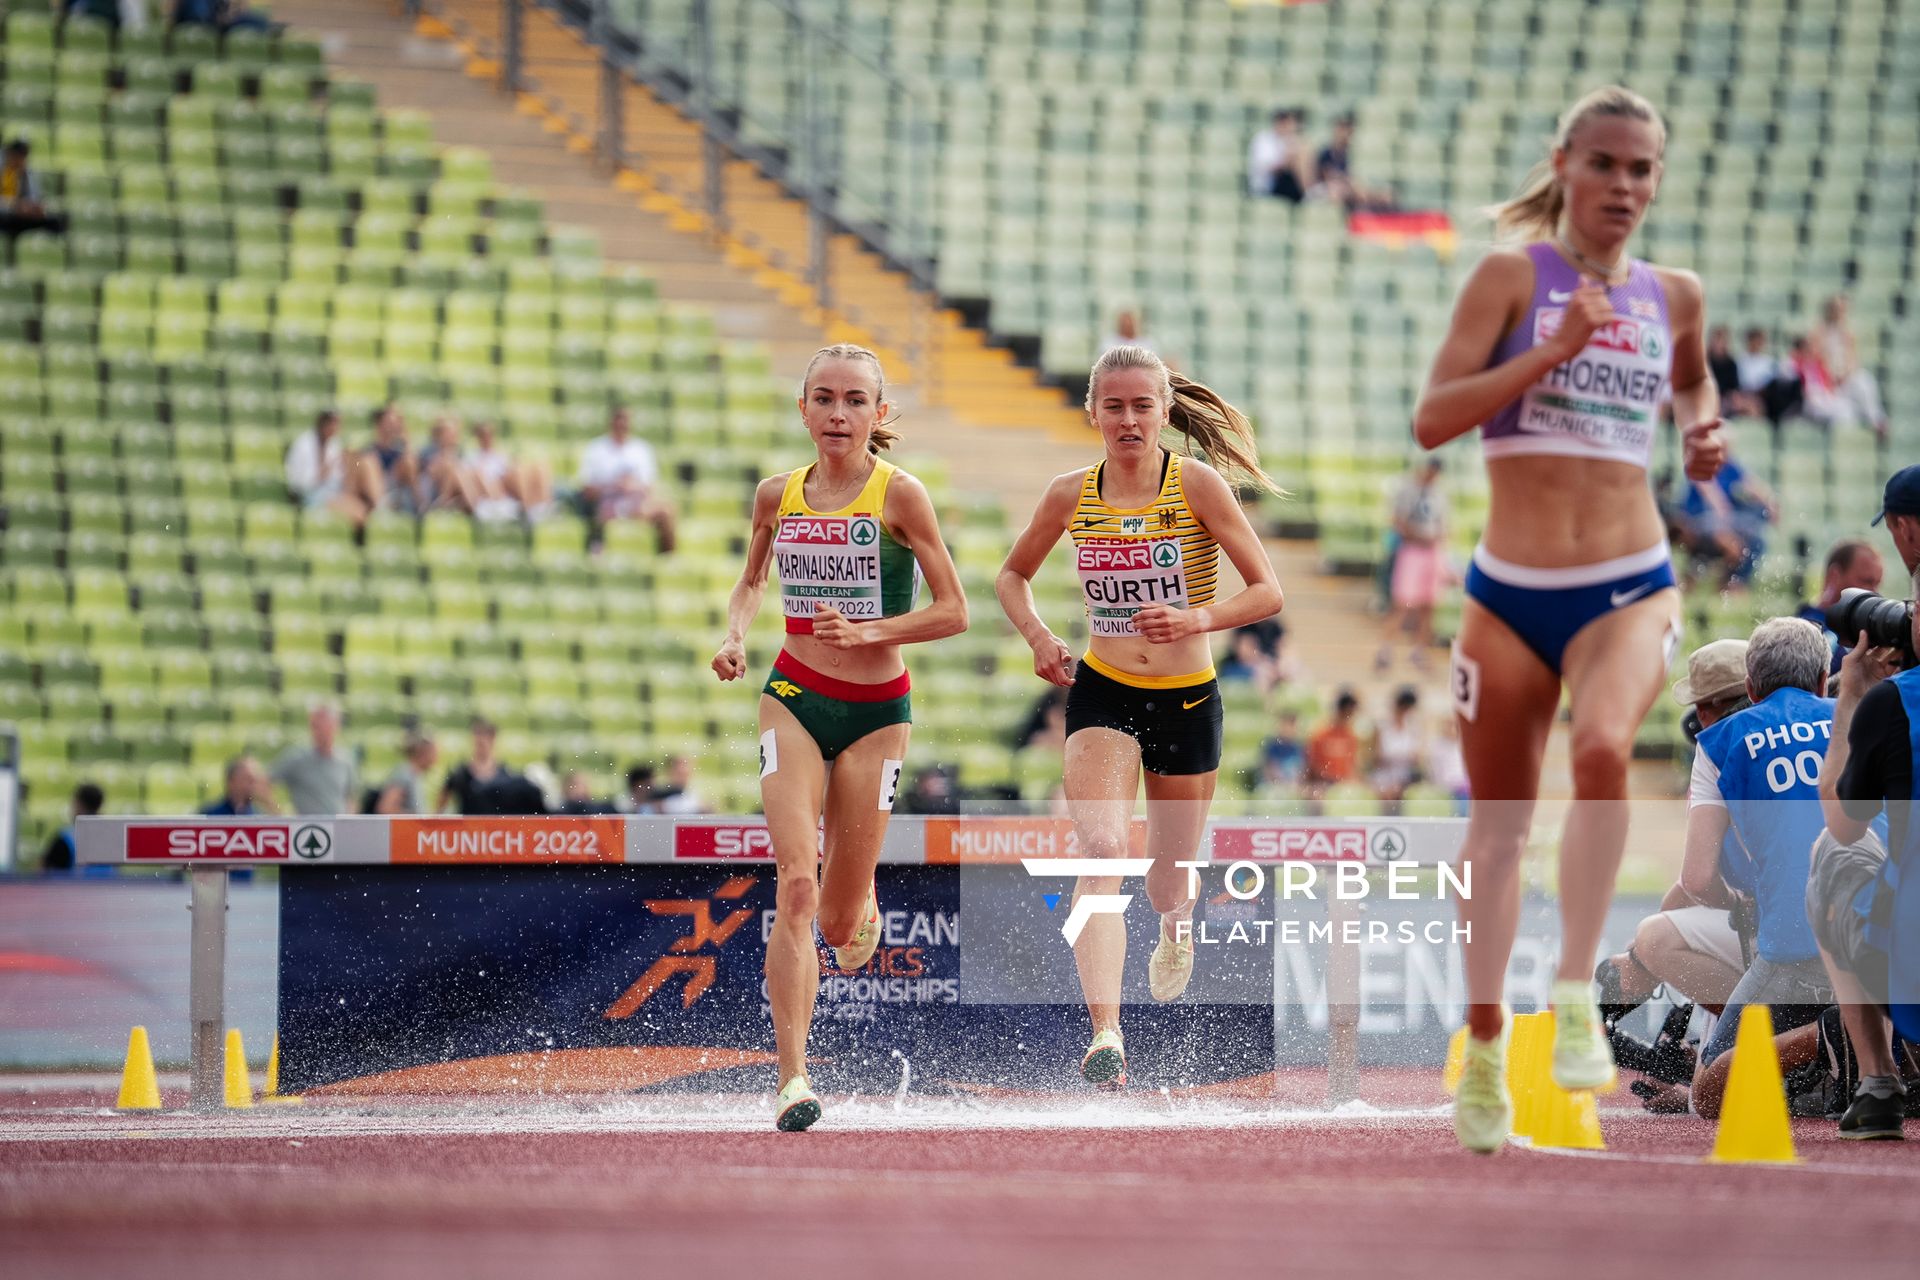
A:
1482, 1105
1582, 1059
1171, 967
796, 1108
1105, 1066
854, 956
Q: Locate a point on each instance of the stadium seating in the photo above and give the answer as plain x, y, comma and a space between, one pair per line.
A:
249, 243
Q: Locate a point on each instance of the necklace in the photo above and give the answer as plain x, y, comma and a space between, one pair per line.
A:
849, 490
1607, 274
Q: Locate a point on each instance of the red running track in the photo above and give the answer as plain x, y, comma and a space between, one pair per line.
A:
602, 1187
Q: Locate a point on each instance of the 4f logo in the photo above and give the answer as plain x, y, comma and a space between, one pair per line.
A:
695, 956
1088, 905
785, 688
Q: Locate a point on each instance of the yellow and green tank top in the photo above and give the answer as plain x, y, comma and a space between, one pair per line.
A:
846, 558
1129, 558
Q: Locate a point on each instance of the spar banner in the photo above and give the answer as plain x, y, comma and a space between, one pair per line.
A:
452, 979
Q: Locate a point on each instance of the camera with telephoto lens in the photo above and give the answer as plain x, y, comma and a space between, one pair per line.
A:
1888, 623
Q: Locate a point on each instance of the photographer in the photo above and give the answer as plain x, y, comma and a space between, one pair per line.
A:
1851, 898
1756, 775
1900, 508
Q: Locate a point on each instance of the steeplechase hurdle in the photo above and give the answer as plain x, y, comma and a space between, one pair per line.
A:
208, 849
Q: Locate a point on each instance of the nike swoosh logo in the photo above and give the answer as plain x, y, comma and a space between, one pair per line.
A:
1621, 598
1188, 706
1559, 295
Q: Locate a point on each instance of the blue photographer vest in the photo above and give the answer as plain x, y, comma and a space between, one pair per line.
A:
1769, 757
1903, 876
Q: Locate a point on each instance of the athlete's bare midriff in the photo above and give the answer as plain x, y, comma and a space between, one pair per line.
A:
1139, 656
1552, 512
868, 664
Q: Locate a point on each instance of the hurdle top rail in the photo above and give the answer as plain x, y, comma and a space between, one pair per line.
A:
208, 848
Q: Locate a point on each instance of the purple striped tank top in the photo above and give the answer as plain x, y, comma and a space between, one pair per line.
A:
1603, 403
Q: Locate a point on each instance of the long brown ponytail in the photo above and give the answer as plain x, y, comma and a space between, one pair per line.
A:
1534, 211
884, 436
1210, 426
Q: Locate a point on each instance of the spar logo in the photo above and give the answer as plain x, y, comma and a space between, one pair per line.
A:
1165, 555
1291, 844
814, 531
863, 531
1622, 333
1121, 555
695, 958
709, 840
157, 842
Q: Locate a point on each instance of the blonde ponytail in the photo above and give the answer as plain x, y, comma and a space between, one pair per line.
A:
1534, 211
884, 436
1220, 432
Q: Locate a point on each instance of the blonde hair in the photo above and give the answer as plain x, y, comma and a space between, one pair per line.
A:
1197, 412
884, 436
1534, 213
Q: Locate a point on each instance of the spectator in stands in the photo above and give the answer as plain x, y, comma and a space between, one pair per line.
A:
1126, 333
1765, 382
447, 483
1420, 563
1277, 159
1247, 660
227, 15
620, 480
386, 474
934, 791
1854, 384
61, 854
1737, 789
249, 791
23, 206
1399, 746
317, 470
576, 797
1868, 769
1725, 369
1045, 727
639, 796
1333, 753
1852, 563
679, 796
1282, 759
1728, 517
405, 790
1333, 174
1820, 401
465, 786
1900, 508
507, 488
321, 780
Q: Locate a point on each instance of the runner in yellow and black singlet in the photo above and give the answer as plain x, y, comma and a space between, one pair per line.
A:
1147, 526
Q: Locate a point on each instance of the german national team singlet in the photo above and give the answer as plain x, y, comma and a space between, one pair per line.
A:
1129, 558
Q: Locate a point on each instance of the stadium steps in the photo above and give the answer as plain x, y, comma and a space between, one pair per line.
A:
983, 385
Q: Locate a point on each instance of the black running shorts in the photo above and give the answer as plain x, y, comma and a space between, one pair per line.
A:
1179, 729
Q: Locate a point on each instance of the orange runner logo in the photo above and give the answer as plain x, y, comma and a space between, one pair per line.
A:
681, 959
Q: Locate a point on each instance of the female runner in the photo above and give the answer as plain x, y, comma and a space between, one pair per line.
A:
851, 534
1564, 347
1147, 525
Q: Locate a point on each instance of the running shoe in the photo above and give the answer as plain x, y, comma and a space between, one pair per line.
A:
1870, 1117
1171, 967
1482, 1106
854, 956
1105, 1066
1581, 1056
796, 1108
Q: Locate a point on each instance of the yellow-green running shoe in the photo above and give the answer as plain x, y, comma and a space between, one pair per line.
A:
796, 1108
1105, 1066
1171, 967
1582, 1058
854, 956
1482, 1106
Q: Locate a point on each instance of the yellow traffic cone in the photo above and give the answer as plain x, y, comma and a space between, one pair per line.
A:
1572, 1121
1753, 1114
239, 1086
139, 1087
272, 1095
1528, 1056
1456, 1061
